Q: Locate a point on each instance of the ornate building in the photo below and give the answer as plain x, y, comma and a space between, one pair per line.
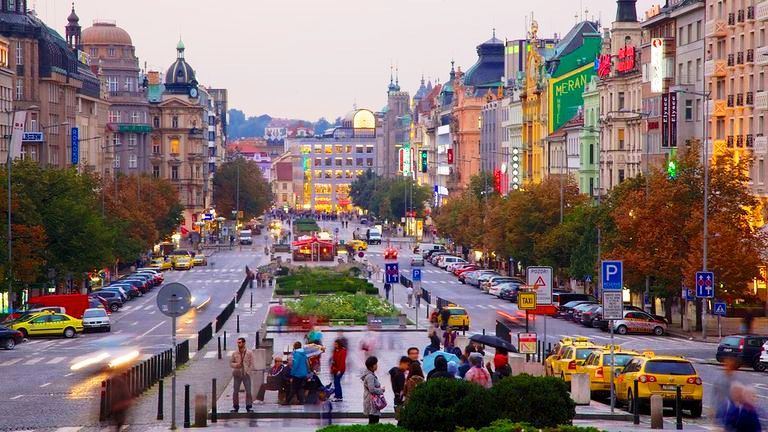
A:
395, 120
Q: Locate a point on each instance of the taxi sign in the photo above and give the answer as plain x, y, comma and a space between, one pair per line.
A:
526, 301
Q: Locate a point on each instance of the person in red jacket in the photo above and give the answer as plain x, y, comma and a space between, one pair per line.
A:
338, 367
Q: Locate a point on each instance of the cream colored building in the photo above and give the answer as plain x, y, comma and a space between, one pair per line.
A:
7, 78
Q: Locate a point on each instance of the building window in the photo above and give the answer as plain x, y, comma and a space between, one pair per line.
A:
129, 84
339, 162
135, 117
156, 171
175, 122
328, 162
20, 89
175, 146
174, 173
369, 162
116, 163
285, 198
621, 176
621, 139
156, 122
621, 100
113, 116
155, 145
12, 5
19, 53
369, 149
350, 161
115, 140
110, 52
132, 161
359, 162
591, 154
688, 110
112, 83
132, 140
94, 51
591, 186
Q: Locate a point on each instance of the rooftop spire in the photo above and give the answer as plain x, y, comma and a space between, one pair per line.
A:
626, 11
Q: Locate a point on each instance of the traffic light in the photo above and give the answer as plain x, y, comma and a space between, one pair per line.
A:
423, 161
672, 169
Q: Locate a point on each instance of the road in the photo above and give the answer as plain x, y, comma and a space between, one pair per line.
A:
37, 376
483, 310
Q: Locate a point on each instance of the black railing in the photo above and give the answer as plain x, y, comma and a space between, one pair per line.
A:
729, 140
204, 336
740, 99
182, 353
740, 57
731, 19
241, 291
750, 12
739, 141
730, 101
750, 98
750, 141
750, 55
135, 380
740, 16
731, 60
222, 318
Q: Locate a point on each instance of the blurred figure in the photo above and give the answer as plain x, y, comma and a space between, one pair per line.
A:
121, 402
415, 377
740, 414
338, 367
434, 343
722, 389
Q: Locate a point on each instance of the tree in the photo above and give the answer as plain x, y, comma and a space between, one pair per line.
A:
254, 192
483, 183
321, 125
386, 197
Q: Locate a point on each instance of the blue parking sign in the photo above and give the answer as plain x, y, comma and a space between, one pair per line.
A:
392, 273
416, 273
613, 275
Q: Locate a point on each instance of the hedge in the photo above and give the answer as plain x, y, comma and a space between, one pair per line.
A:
508, 426
322, 281
445, 404
343, 306
380, 427
524, 395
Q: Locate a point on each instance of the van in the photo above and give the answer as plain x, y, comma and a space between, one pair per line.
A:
245, 237
74, 304
424, 248
374, 236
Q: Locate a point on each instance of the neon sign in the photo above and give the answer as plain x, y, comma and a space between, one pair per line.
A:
626, 59
604, 66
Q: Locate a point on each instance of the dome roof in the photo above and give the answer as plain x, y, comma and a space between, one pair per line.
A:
105, 33
489, 69
180, 75
73, 18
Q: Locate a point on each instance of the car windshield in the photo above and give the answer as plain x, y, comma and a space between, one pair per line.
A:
574, 303
731, 341
582, 353
94, 313
670, 367
618, 359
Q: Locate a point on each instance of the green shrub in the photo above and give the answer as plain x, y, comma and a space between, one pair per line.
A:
381, 427
342, 306
508, 426
445, 404
540, 401
322, 281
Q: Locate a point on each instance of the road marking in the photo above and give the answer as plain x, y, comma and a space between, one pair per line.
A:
210, 354
223, 305
45, 385
150, 307
33, 361
217, 281
17, 397
11, 362
152, 329
69, 374
55, 360
398, 305
134, 323
69, 429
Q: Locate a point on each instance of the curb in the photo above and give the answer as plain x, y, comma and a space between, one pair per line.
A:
388, 415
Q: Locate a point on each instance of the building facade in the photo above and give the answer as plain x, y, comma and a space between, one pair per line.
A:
590, 146
7, 81
282, 181
395, 121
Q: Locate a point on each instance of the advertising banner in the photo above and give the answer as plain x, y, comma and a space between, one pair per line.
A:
566, 95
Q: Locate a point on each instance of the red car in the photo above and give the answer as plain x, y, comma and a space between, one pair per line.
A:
390, 253
465, 268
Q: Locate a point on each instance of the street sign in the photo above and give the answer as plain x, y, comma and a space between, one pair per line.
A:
613, 275
541, 279
174, 299
392, 273
416, 275
361, 254
75, 146
613, 305
526, 343
719, 309
32, 137
705, 284
526, 301
588, 279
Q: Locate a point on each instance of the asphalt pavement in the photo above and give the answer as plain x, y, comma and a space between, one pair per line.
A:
37, 377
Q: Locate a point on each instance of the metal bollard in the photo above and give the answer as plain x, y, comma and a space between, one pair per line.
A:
160, 400
238, 323
186, 405
225, 340
219, 347
103, 402
251, 297
483, 332
258, 340
679, 407
214, 414
635, 408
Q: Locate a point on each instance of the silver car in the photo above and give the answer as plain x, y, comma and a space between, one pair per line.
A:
417, 260
474, 277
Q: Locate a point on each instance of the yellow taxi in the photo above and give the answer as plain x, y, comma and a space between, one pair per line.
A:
48, 324
598, 364
182, 263
571, 358
458, 317
660, 374
359, 245
558, 349
161, 263
200, 259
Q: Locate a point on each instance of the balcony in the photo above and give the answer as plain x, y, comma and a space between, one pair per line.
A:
719, 108
739, 141
729, 141
716, 68
731, 19
761, 56
750, 13
761, 10
750, 141
127, 96
740, 100
730, 101
740, 16
740, 58
750, 55
716, 28
761, 100
750, 99
761, 144
731, 60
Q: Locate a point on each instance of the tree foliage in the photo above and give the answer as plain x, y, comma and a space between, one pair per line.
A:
254, 192
387, 197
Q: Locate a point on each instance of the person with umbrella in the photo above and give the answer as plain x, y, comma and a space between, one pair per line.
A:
477, 374
501, 364
441, 368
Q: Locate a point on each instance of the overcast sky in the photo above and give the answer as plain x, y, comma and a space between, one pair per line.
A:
309, 58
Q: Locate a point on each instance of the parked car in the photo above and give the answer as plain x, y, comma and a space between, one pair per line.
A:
561, 298
473, 278
639, 322
485, 277
566, 310
121, 293
465, 268
488, 284
745, 349
508, 291
448, 260
417, 260
114, 299
764, 356
590, 316
433, 259
129, 290
9, 338
96, 319
580, 309
454, 265
48, 324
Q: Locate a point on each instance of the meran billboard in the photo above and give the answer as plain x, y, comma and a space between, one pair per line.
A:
566, 95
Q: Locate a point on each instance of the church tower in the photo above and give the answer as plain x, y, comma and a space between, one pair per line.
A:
73, 30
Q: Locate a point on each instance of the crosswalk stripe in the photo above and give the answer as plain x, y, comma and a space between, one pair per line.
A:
210, 354
55, 360
69, 429
11, 362
150, 307
33, 361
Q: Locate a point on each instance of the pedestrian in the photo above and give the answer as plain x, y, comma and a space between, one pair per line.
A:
387, 289
120, 402
415, 377
338, 367
449, 340
721, 389
271, 279
409, 293
477, 374
434, 343
445, 315
741, 414
241, 363
373, 391
465, 365
413, 354
501, 366
453, 369
277, 379
299, 372
440, 370
397, 379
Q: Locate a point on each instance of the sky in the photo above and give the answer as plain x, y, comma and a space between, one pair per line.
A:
308, 58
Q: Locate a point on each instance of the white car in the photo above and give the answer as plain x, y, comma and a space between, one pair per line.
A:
447, 260
96, 319
417, 260
764, 354
454, 265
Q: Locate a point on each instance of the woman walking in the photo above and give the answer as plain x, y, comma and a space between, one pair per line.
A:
373, 392
338, 367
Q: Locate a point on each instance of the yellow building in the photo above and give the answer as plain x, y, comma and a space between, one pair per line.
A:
533, 98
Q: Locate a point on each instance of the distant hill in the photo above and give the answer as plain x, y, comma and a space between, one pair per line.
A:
251, 127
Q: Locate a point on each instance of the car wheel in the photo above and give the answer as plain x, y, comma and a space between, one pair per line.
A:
114, 307
760, 367
69, 333
630, 403
622, 330
658, 331
108, 329
9, 344
696, 409
24, 333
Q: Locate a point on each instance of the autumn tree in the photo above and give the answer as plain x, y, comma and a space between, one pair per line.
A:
255, 194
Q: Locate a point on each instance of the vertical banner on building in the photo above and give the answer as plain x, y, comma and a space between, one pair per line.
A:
657, 65
400, 159
75, 146
406, 164
673, 119
665, 120
17, 134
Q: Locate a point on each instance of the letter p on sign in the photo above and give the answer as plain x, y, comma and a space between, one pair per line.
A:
612, 276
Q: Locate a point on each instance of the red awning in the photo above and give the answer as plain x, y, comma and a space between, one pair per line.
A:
311, 240
184, 230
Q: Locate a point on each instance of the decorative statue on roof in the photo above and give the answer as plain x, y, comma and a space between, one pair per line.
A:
533, 33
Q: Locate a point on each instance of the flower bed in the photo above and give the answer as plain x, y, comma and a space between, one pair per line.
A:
322, 281
343, 306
